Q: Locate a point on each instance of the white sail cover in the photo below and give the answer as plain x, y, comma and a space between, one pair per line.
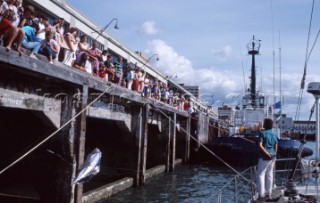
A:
309, 168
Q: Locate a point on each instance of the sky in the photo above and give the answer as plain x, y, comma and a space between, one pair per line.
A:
204, 42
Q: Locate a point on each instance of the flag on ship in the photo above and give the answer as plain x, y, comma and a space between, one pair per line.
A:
278, 115
277, 105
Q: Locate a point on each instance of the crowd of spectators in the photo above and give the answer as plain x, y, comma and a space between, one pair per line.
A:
23, 26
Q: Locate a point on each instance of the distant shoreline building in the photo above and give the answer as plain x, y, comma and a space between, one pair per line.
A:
308, 127
285, 123
227, 113
194, 90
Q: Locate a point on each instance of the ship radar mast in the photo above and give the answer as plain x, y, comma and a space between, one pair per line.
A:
253, 49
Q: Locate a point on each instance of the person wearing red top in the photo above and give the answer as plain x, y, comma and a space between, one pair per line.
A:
9, 32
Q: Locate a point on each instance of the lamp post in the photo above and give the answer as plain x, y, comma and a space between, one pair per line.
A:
150, 59
105, 27
174, 74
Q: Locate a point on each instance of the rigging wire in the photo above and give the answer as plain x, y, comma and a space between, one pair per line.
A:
302, 84
273, 55
206, 148
243, 75
280, 85
302, 143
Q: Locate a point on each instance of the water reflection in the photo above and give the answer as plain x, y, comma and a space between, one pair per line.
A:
185, 184
195, 183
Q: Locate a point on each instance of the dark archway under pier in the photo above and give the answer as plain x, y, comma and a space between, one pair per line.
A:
156, 155
33, 179
117, 148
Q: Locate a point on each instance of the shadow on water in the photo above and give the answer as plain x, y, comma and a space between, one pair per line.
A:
188, 183
192, 183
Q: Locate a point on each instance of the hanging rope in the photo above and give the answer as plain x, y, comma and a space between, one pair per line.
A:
206, 148
302, 144
52, 134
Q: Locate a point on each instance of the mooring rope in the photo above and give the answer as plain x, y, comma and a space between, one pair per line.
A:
206, 148
84, 109
52, 134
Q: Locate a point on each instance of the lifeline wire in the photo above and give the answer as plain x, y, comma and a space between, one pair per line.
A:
211, 152
50, 136
305, 67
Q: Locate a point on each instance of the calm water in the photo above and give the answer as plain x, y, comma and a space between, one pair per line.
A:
185, 184
195, 183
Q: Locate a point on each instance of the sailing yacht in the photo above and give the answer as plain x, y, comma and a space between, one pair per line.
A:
305, 192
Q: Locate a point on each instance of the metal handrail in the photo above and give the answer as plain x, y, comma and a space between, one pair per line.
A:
236, 179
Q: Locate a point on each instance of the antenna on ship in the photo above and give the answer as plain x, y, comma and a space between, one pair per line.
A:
253, 49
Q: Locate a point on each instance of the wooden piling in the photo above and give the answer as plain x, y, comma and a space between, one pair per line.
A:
168, 132
144, 144
81, 140
173, 142
138, 145
187, 134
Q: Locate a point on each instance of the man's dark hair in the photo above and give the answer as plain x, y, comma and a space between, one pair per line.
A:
268, 123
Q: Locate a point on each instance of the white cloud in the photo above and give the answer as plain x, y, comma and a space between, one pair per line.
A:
149, 28
209, 79
224, 84
170, 61
223, 53
218, 70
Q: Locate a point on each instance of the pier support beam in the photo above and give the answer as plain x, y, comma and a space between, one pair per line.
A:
168, 132
138, 143
65, 146
142, 136
81, 140
187, 134
173, 142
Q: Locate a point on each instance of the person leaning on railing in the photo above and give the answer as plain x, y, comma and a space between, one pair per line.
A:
268, 145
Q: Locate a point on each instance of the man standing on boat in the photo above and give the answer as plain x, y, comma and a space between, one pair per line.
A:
268, 144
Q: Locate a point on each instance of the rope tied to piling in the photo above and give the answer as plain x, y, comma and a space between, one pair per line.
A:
52, 134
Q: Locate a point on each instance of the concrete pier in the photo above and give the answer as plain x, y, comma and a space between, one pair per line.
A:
74, 113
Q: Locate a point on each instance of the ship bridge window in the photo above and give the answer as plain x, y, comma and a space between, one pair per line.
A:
246, 101
261, 101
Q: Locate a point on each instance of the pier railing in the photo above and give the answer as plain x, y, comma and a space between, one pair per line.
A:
236, 187
243, 185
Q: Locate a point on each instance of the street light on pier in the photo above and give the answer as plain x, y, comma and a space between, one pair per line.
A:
153, 56
105, 27
150, 59
173, 75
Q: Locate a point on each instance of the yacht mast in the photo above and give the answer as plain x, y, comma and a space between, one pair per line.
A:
280, 91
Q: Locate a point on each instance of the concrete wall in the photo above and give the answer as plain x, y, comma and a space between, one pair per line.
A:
73, 112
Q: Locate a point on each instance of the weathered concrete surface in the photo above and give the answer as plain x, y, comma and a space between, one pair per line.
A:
50, 107
178, 162
202, 128
33, 84
155, 171
107, 114
106, 191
